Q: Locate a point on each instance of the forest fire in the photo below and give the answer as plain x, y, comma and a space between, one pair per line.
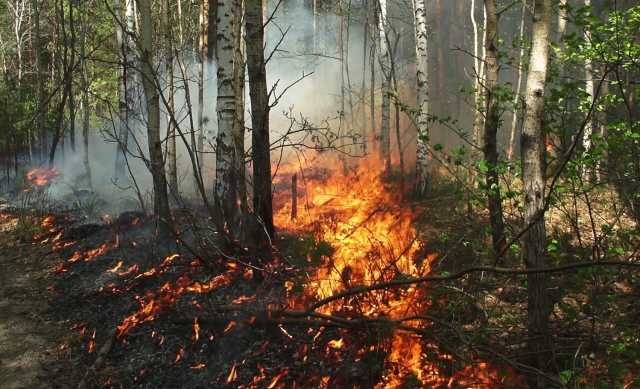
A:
374, 241
41, 176
152, 304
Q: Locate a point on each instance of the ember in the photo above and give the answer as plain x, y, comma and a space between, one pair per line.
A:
153, 304
41, 177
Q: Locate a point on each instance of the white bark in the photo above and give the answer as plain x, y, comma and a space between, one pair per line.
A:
226, 186
478, 70
562, 19
532, 154
385, 66
589, 128
422, 156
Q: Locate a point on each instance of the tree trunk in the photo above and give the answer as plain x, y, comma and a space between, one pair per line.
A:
124, 33
203, 60
64, 70
260, 145
478, 68
516, 97
532, 154
84, 82
365, 44
227, 197
385, 66
373, 4
212, 28
440, 61
422, 137
590, 127
172, 165
41, 106
491, 125
72, 63
151, 92
238, 125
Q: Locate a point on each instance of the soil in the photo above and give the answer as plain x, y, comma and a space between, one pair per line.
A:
29, 336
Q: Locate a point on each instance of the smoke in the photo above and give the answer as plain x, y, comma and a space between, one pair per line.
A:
304, 74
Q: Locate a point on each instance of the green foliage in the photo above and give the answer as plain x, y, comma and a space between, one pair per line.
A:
306, 250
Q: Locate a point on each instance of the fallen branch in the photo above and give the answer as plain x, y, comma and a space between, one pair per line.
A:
462, 273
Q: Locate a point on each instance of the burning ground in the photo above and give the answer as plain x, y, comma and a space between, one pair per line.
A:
335, 308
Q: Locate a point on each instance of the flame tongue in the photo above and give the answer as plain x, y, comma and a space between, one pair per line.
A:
41, 176
373, 239
371, 234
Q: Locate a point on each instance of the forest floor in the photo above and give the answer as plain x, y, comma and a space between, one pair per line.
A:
29, 335
101, 303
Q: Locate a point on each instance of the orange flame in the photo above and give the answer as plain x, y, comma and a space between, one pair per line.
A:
373, 241
42, 176
154, 303
233, 375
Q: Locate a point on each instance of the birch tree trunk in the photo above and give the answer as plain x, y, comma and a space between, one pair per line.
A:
260, 145
151, 92
590, 127
227, 196
532, 155
422, 138
478, 60
491, 125
385, 66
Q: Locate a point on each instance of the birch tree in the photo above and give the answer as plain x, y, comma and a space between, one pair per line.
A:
385, 66
422, 138
590, 127
532, 155
227, 196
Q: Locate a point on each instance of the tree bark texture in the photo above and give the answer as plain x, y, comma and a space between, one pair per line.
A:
260, 145
491, 126
532, 156
422, 137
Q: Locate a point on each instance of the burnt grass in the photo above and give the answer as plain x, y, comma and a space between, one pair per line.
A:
237, 344
241, 340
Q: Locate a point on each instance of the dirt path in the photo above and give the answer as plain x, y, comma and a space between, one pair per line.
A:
28, 338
